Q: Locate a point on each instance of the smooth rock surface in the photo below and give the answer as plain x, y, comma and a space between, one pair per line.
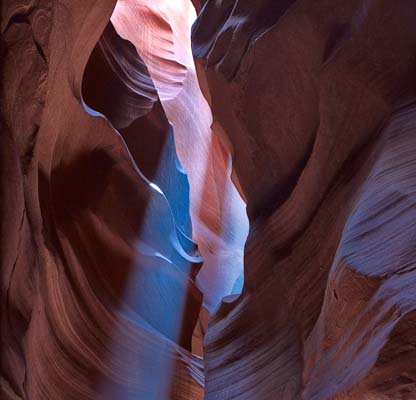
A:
321, 96
98, 297
133, 140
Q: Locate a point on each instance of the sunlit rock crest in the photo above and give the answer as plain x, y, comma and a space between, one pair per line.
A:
98, 265
218, 213
124, 163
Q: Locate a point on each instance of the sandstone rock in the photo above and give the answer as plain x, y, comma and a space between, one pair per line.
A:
98, 298
127, 162
316, 94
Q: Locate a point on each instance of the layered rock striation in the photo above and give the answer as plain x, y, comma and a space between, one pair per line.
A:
98, 268
127, 164
321, 96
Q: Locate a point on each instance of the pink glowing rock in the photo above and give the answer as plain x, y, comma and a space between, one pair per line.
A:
123, 159
217, 211
98, 297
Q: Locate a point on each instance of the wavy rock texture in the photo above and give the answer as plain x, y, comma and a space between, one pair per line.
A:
122, 160
98, 298
217, 211
124, 91
321, 95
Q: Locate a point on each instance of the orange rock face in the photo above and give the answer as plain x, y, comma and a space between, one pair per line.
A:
98, 270
134, 137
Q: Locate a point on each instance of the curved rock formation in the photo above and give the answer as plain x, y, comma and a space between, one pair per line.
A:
116, 81
98, 298
218, 213
125, 170
317, 94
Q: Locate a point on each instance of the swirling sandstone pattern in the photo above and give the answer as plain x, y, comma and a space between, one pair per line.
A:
321, 96
218, 213
98, 298
117, 173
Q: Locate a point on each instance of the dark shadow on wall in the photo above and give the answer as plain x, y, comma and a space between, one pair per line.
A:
126, 221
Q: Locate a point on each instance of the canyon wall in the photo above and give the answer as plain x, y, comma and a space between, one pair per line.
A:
98, 266
318, 101
127, 162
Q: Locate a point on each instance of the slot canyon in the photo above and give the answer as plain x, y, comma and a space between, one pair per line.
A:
208, 199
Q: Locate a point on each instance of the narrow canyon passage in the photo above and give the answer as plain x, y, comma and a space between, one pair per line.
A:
207, 199
219, 222
150, 93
